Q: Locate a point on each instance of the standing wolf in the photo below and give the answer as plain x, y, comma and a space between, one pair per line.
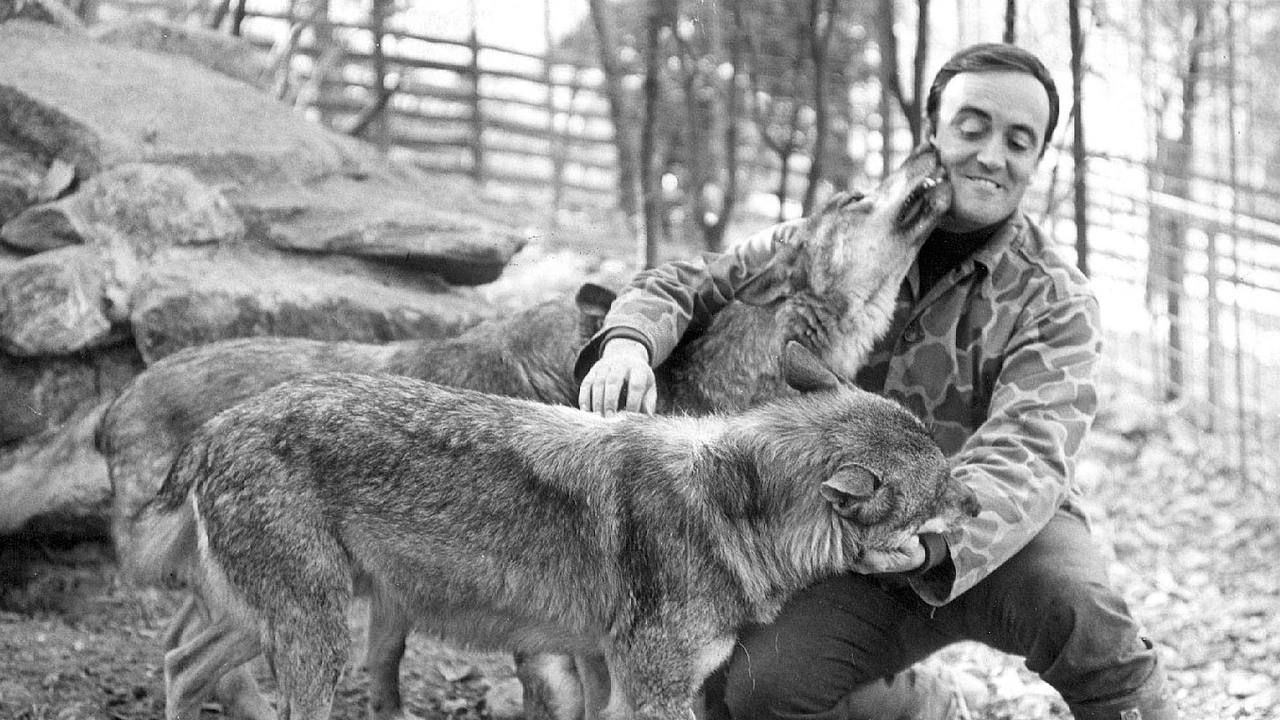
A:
501, 522
845, 263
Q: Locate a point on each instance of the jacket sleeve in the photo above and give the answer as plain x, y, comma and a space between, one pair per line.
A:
663, 302
1020, 461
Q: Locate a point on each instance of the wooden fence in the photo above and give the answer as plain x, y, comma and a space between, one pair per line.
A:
498, 114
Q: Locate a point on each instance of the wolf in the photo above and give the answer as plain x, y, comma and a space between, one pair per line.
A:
500, 522
843, 268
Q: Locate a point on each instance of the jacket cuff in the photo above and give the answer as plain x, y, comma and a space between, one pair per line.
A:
934, 579
588, 355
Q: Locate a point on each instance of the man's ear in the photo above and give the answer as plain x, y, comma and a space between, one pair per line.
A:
804, 371
850, 492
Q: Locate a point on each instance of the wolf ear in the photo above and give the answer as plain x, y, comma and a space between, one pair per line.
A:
804, 371
849, 491
593, 303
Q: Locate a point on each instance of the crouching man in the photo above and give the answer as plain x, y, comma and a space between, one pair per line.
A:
994, 343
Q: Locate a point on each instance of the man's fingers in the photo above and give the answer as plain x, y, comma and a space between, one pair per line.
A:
636, 389
584, 393
610, 394
650, 405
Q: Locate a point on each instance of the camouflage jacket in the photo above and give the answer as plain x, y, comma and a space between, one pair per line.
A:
998, 359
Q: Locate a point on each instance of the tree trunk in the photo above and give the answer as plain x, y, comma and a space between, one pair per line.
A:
1179, 158
890, 86
822, 21
1080, 160
1011, 19
624, 142
733, 110
650, 191
918, 90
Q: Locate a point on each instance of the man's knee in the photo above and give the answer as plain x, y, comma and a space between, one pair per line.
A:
1082, 639
770, 687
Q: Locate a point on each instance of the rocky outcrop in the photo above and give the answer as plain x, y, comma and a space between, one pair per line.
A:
153, 197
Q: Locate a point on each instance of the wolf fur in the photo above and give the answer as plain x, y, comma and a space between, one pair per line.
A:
843, 270
499, 522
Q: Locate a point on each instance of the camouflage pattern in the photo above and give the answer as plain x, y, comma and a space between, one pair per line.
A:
998, 359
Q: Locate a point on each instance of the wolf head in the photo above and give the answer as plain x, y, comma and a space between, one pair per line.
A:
877, 468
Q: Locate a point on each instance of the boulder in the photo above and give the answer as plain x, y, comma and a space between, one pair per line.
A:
44, 392
143, 206
21, 174
193, 299
232, 56
52, 303
57, 482
98, 106
372, 219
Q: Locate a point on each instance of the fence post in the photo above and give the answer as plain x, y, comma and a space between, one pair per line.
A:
477, 119
554, 137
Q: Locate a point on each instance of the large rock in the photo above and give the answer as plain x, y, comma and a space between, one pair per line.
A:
44, 392
232, 56
352, 216
141, 206
192, 300
57, 482
55, 303
98, 106
20, 176
101, 105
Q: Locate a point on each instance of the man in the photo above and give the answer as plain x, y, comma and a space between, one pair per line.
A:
994, 343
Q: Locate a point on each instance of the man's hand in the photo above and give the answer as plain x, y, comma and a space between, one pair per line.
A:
623, 363
908, 556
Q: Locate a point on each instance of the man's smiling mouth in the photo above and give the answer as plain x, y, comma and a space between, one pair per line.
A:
984, 182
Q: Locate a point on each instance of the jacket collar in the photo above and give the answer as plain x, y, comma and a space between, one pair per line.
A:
984, 258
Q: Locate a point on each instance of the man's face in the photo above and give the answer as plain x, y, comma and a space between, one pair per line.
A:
989, 133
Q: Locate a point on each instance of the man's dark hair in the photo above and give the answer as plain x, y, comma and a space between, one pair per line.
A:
994, 57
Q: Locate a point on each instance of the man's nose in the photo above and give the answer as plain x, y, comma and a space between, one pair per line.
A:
991, 152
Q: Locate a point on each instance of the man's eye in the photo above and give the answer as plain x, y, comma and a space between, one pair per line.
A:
972, 128
1021, 143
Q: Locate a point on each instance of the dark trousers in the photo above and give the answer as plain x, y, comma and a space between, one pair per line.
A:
837, 647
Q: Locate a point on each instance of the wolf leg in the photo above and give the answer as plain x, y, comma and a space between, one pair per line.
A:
237, 690
193, 668
309, 649
551, 690
389, 625
664, 664
593, 675
181, 623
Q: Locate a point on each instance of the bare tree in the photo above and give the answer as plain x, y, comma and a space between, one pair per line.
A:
890, 80
661, 16
1174, 159
624, 141
822, 20
1079, 157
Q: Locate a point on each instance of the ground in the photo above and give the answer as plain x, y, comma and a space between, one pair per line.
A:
1195, 545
